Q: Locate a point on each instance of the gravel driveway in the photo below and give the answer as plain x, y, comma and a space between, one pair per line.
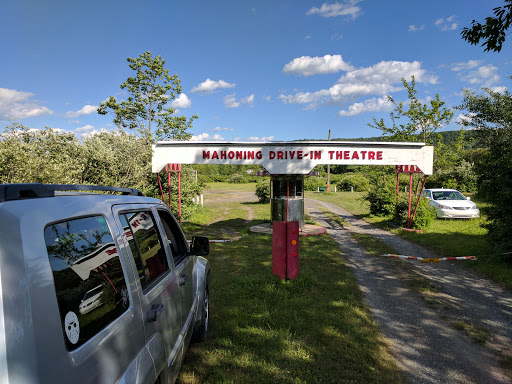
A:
421, 332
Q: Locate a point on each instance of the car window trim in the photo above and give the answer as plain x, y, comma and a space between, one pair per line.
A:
178, 259
145, 290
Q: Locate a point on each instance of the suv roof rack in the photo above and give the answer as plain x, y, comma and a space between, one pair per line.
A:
38, 190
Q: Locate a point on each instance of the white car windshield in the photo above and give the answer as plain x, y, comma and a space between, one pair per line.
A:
448, 195
93, 292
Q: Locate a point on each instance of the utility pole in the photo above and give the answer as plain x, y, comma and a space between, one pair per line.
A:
329, 171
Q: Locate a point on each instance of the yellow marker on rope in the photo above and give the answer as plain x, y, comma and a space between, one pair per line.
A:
430, 261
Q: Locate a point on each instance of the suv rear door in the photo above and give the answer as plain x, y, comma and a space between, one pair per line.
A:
184, 264
157, 282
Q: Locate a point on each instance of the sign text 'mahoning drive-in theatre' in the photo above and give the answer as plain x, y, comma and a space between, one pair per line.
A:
297, 157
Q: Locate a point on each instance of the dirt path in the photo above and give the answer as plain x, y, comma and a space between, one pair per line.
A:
421, 333
230, 196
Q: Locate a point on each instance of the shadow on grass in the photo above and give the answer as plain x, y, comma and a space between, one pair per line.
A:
264, 330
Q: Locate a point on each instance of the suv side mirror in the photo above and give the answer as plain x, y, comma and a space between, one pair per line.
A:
200, 246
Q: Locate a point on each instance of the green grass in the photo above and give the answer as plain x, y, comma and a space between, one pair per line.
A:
350, 201
315, 329
447, 237
232, 187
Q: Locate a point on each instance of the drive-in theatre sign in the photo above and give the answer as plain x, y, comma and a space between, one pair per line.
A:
293, 158
288, 163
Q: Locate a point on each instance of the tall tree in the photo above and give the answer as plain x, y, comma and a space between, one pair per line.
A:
146, 110
493, 31
491, 114
416, 118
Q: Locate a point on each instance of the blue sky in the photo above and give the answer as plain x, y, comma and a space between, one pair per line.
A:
251, 70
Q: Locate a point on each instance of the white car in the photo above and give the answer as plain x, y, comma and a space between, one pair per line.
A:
451, 204
91, 300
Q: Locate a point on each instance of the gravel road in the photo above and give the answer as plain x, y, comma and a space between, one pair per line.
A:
420, 332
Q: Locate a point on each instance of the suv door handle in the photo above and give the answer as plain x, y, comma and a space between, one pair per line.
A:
183, 280
154, 312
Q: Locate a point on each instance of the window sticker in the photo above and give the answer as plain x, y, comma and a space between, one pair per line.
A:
72, 327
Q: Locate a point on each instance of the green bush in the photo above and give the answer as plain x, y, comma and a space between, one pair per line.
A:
425, 214
358, 181
237, 178
382, 199
312, 183
263, 191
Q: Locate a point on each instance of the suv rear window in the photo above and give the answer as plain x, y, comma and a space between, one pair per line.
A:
146, 246
89, 280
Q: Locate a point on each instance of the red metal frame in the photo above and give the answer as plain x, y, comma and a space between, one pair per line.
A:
172, 168
410, 169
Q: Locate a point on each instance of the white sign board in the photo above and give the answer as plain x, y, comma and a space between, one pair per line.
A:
298, 157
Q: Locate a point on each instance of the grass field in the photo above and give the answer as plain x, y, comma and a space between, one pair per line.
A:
447, 237
244, 187
315, 329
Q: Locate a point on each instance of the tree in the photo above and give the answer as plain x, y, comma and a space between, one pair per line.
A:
145, 110
419, 117
38, 156
491, 114
493, 32
412, 121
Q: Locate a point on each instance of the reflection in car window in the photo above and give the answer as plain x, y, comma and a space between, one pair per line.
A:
89, 280
146, 246
177, 242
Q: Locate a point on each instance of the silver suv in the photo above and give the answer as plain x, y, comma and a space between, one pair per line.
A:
96, 288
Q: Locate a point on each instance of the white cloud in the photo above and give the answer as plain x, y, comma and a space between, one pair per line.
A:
249, 100
85, 129
379, 79
182, 101
86, 110
230, 101
219, 129
370, 105
465, 66
388, 72
486, 75
415, 28
268, 99
447, 24
88, 130
501, 89
208, 86
255, 138
309, 66
207, 137
465, 118
347, 8
17, 104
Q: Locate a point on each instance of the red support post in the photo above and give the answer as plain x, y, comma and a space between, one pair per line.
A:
179, 196
396, 203
287, 198
292, 250
410, 197
279, 249
419, 197
160, 185
169, 182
